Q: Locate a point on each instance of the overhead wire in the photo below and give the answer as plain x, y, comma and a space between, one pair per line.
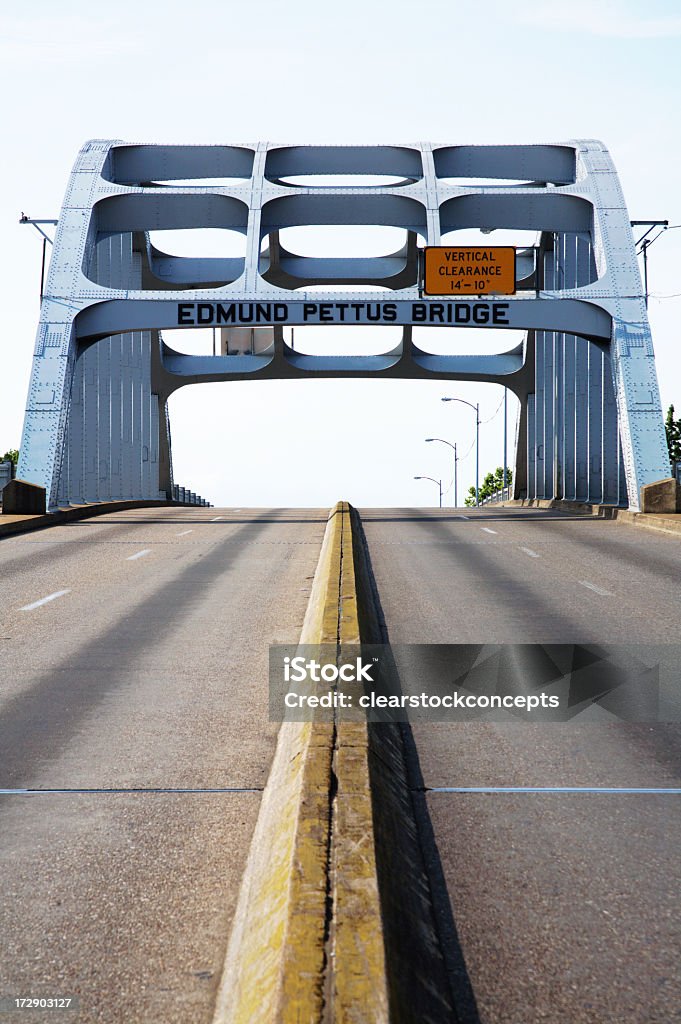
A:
494, 413
672, 295
461, 458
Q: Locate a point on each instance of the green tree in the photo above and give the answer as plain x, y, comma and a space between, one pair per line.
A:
11, 456
672, 429
493, 482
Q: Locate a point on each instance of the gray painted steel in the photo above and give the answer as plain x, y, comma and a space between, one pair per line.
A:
6, 474
96, 428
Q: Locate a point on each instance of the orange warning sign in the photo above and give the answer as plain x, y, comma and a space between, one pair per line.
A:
469, 270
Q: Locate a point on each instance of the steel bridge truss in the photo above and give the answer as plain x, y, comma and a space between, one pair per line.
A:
590, 423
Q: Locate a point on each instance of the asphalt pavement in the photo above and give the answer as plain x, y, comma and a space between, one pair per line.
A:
133, 668
553, 907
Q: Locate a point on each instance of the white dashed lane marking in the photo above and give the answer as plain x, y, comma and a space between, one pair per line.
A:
184, 533
530, 552
486, 529
140, 554
596, 590
44, 600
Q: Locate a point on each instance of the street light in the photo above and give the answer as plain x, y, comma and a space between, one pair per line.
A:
438, 482
456, 459
477, 443
505, 474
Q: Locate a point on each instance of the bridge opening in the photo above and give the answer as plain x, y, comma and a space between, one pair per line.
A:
365, 438
393, 162
343, 340
179, 259
490, 182
344, 181
146, 165
192, 183
466, 341
541, 165
121, 250
491, 236
200, 242
344, 241
345, 288
339, 257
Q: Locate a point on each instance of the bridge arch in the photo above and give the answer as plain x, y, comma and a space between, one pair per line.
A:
590, 424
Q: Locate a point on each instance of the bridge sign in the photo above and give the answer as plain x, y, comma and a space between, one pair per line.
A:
469, 270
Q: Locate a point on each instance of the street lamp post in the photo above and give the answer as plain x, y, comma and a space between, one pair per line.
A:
505, 441
456, 459
477, 442
438, 482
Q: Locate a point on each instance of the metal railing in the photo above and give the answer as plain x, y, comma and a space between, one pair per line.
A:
6, 473
504, 494
188, 497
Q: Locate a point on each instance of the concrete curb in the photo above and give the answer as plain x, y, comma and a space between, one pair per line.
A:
560, 505
670, 523
667, 522
284, 888
307, 930
22, 524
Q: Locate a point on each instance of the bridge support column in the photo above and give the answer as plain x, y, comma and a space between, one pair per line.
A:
112, 443
644, 446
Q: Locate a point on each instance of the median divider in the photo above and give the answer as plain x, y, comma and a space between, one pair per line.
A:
334, 920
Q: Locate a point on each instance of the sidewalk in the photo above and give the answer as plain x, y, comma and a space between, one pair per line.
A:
10, 524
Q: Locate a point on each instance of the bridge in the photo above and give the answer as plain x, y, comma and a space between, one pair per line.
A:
96, 428
180, 841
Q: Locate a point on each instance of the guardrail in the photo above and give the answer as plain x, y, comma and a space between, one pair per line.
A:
505, 494
6, 473
189, 497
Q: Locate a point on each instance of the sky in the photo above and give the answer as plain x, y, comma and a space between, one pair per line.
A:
453, 72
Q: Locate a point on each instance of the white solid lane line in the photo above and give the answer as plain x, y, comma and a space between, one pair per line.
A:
487, 529
184, 533
140, 554
44, 600
596, 590
530, 552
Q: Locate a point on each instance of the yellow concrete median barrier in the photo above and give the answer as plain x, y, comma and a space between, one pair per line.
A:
321, 932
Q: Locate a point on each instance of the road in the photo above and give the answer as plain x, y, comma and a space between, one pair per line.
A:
148, 671
553, 907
